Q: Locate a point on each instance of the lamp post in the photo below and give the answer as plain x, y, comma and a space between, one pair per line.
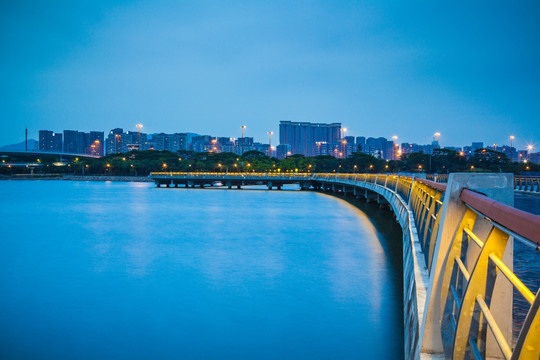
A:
512, 137
529, 148
394, 148
139, 126
243, 127
270, 133
437, 134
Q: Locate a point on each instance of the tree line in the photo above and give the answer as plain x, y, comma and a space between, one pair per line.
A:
141, 163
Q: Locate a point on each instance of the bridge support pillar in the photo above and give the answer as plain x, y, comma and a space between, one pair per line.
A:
382, 201
238, 186
269, 185
370, 197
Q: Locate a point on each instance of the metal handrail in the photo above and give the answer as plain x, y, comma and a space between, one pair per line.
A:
519, 222
506, 221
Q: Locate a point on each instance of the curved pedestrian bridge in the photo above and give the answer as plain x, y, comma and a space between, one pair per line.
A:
458, 241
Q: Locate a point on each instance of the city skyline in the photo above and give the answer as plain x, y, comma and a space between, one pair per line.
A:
379, 69
436, 137
308, 139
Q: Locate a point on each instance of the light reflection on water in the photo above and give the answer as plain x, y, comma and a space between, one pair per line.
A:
125, 270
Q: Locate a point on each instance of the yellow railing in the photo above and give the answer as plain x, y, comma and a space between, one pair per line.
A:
426, 205
231, 174
473, 264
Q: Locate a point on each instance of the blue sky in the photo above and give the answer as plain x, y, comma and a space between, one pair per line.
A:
469, 70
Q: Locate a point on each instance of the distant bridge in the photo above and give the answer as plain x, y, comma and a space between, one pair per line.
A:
38, 153
457, 255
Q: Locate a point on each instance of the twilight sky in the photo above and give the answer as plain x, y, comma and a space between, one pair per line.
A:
470, 70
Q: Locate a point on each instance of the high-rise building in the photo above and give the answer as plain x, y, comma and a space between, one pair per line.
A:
375, 146
477, 146
114, 141
302, 137
360, 143
71, 140
283, 150
50, 141
95, 143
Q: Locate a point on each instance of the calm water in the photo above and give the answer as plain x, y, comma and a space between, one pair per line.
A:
93, 270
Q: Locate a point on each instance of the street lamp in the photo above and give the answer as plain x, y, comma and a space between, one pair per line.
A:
437, 134
243, 127
270, 133
530, 148
394, 150
512, 137
139, 126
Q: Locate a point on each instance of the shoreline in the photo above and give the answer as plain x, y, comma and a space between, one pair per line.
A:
77, 178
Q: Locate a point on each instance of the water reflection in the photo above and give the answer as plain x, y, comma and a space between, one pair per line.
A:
124, 270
